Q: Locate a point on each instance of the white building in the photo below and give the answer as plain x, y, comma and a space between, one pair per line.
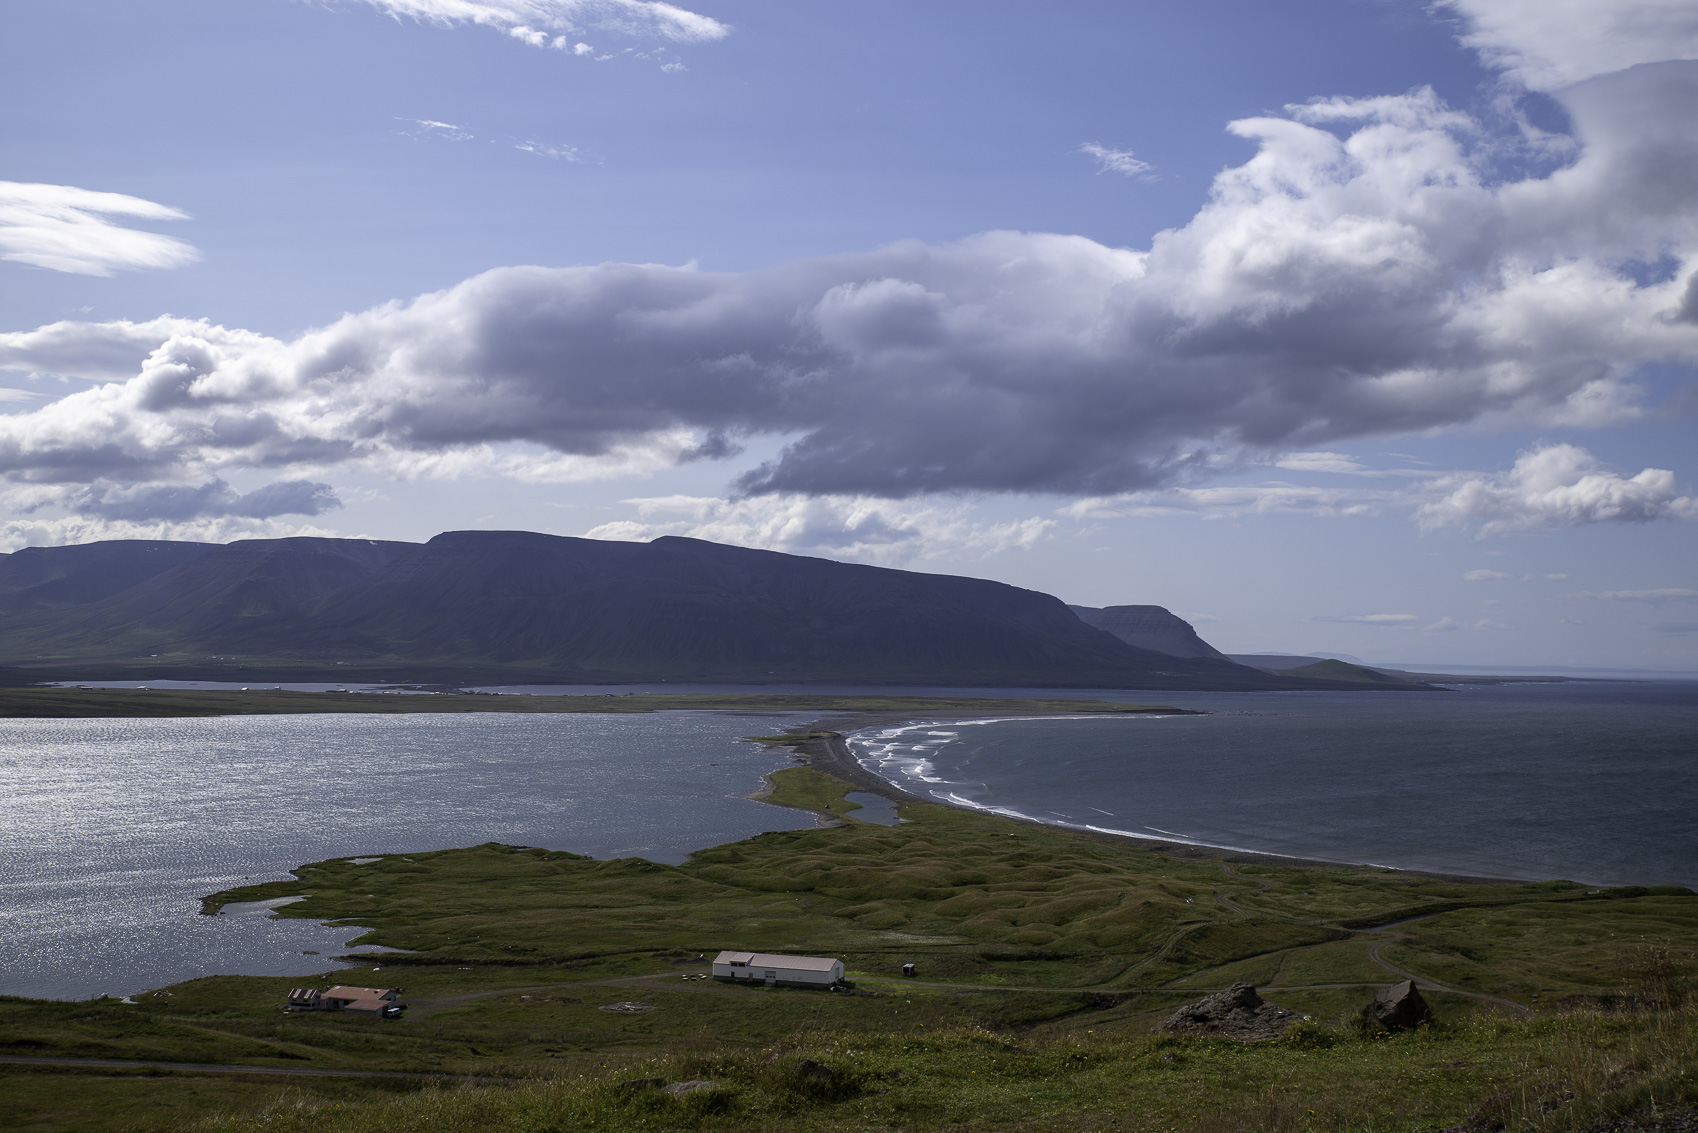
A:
383, 1002
769, 969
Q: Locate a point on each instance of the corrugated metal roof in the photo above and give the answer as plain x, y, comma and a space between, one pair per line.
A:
773, 960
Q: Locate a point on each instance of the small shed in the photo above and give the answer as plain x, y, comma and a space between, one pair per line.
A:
772, 969
305, 998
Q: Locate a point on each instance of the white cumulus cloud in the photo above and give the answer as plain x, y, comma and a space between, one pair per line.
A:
1556, 486
863, 529
64, 228
1548, 44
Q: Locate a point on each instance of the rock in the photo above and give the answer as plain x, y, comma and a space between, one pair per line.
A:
680, 1089
628, 1007
1237, 1013
1397, 1008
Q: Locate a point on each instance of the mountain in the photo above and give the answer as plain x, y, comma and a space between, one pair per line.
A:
43, 578
1148, 627
1336, 670
511, 606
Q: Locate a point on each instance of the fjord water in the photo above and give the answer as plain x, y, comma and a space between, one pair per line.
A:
1593, 782
112, 829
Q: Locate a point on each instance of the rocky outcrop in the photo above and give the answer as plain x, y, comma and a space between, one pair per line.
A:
1397, 1008
1237, 1013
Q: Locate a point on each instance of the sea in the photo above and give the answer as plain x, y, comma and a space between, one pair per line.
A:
112, 830
1595, 782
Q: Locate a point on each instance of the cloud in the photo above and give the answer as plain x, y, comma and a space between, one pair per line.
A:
556, 23
63, 228
1365, 272
175, 502
1317, 462
1556, 486
1372, 619
1491, 576
1236, 501
1650, 597
1443, 625
1111, 160
111, 351
442, 131
69, 530
1547, 44
864, 529
543, 149
1675, 629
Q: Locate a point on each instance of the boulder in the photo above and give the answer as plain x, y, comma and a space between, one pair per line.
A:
1397, 1008
1237, 1013
680, 1089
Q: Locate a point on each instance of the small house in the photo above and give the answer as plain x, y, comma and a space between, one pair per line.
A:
772, 970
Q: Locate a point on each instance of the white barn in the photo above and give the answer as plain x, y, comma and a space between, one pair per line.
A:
770, 969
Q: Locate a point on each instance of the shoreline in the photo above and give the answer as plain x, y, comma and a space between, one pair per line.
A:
146, 703
831, 754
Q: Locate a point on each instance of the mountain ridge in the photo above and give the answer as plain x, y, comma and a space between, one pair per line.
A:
511, 607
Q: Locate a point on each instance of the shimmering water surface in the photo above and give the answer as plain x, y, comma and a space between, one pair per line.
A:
1596, 782
112, 829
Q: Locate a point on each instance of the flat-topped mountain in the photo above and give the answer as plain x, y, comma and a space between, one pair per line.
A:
1148, 627
519, 606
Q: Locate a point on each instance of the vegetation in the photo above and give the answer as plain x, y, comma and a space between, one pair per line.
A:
1045, 956
41, 701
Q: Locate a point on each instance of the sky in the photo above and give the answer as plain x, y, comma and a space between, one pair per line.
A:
1366, 326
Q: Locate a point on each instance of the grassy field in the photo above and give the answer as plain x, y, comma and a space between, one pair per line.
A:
142, 701
1045, 956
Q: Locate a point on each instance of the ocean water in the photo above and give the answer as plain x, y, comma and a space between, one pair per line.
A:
1594, 782
111, 830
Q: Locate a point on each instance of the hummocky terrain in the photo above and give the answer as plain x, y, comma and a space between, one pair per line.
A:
514, 605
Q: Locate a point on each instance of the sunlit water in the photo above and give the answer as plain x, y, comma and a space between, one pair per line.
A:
113, 829
1593, 782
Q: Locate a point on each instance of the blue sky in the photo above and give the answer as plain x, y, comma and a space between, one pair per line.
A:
1363, 325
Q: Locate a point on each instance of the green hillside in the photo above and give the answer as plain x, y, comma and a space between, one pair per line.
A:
1045, 957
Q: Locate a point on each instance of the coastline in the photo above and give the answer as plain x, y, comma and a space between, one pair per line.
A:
143, 702
829, 752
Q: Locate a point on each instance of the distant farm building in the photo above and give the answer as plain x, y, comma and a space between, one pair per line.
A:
378, 1002
774, 970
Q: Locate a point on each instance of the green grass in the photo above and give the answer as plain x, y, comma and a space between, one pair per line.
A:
1550, 1076
807, 789
1045, 956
